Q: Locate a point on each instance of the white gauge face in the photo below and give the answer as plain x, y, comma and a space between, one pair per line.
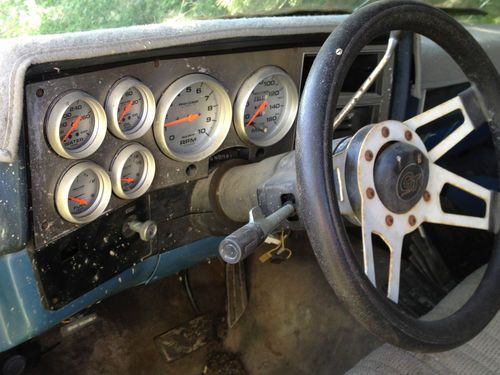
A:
132, 171
266, 107
130, 107
76, 125
130, 110
190, 119
193, 118
83, 192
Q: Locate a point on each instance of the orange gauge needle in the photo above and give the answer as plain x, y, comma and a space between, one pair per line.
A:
189, 118
257, 112
78, 200
127, 179
73, 127
125, 110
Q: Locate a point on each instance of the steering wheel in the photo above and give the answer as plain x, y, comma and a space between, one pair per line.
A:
391, 180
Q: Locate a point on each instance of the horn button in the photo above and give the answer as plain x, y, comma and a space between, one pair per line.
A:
401, 173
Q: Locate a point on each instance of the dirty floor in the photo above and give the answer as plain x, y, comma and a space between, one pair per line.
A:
293, 325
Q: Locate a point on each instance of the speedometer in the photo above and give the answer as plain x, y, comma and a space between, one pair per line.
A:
193, 118
266, 107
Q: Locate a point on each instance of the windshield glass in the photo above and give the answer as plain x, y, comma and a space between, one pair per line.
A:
32, 17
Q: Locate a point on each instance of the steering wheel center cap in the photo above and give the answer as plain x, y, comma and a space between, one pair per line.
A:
401, 173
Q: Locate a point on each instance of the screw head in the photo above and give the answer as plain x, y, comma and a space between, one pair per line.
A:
339, 51
389, 220
40, 93
412, 220
370, 193
427, 196
385, 132
368, 155
408, 135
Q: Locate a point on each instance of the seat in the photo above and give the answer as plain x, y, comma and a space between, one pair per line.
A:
479, 356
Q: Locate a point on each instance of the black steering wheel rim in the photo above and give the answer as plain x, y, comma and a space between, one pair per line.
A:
317, 200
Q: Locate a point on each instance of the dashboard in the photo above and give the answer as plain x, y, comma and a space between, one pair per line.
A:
126, 142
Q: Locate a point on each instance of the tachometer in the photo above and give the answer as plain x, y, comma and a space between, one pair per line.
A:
83, 192
75, 125
132, 171
130, 108
193, 118
266, 106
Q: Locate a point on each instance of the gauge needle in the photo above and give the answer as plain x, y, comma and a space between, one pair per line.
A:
189, 118
127, 179
257, 112
125, 110
73, 127
78, 200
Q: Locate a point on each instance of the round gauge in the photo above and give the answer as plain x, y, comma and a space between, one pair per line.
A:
266, 106
130, 108
193, 118
132, 171
83, 192
75, 125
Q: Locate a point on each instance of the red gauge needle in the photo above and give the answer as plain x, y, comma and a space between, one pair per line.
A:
189, 118
78, 200
126, 110
127, 179
257, 112
73, 127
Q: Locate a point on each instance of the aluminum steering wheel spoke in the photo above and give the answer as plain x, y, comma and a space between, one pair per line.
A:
393, 237
439, 178
469, 103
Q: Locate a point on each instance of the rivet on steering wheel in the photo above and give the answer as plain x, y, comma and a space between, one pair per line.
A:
368, 155
412, 220
389, 220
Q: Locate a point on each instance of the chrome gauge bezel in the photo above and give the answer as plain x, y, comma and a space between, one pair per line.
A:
54, 118
118, 163
286, 121
113, 101
64, 185
220, 130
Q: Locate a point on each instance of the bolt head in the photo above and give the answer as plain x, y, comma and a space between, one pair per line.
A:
412, 220
370, 193
368, 155
385, 132
427, 196
408, 135
389, 220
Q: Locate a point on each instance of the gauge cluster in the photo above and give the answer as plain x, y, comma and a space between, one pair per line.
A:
100, 139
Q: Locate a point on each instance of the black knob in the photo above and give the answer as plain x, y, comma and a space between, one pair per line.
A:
241, 243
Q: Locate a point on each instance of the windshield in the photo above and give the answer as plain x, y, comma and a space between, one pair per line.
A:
32, 17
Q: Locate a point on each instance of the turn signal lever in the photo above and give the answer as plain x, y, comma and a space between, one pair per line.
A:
244, 241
